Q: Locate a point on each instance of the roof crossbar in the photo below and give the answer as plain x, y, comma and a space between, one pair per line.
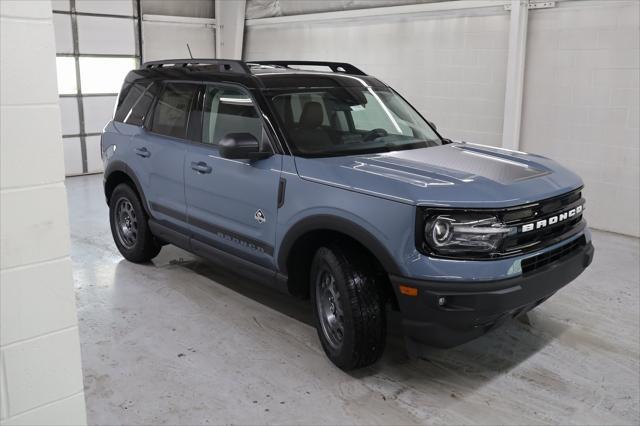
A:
224, 65
341, 67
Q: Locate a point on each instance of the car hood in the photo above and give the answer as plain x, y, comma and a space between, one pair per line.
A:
452, 175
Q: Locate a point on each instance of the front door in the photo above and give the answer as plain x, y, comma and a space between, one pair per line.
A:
232, 204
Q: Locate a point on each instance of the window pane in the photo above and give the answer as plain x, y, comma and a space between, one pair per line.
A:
141, 108
104, 75
111, 7
94, 155
69, 116
171, 112
128, 99
106, 35
228, 111
66, 69
98, 110
62, 29
72, 156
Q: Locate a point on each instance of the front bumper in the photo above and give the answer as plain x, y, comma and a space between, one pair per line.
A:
473, 308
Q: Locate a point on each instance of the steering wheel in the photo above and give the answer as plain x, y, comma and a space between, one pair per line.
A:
375, 134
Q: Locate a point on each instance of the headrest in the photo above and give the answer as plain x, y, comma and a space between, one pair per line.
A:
312, 115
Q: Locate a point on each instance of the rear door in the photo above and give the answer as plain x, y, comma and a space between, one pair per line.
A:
159, 153
232, 204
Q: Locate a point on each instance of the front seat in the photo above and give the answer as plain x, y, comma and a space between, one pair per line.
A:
309, 136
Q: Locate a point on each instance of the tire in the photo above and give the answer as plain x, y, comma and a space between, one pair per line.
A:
129, 226
357, 298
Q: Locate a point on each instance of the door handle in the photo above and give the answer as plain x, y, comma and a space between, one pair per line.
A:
142, 152
201, 167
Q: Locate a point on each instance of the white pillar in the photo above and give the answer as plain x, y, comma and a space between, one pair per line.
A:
230, 15
515, 74
40, 368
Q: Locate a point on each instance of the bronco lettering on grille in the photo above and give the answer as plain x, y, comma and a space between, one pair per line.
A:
552, 220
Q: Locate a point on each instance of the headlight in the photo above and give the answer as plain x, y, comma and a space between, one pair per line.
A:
459, 233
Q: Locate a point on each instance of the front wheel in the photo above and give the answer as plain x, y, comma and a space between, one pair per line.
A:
129, 226
349, 308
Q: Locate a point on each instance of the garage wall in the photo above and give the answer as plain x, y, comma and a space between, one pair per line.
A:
581, 82
184, 8
270, 8
168, 40
451, 66
40, 369
581, 102
96, 45
168, 25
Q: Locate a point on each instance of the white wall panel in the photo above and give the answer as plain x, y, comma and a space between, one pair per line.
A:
169, 40
39, 349
24, 220
98, 110
186, 8
94, 158
64, 36
22, 77
69, 116
269, 8
72, 156
450, 66
17, 124
106, 35
110, 7
66, 412
64, 5
32, 382
581, 103
25, 313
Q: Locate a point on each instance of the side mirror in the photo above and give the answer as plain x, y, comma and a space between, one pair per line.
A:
241, 146
432, 124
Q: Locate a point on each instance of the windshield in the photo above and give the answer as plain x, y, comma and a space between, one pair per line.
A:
348, 121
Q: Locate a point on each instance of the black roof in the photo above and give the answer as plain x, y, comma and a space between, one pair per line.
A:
258, 74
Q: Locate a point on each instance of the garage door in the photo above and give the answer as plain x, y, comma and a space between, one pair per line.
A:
97, 43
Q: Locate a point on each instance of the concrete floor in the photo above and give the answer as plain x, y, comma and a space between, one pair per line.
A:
179, 342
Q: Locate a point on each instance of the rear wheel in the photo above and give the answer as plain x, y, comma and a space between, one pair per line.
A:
129, 226
349, 307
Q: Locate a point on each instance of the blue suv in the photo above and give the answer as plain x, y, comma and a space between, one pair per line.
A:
324, 182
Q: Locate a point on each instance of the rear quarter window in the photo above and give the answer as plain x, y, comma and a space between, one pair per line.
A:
135, 104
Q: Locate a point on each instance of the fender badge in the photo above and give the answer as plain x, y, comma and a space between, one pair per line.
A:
259, 217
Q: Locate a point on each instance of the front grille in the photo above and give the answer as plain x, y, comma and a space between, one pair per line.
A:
523, 242
532, 263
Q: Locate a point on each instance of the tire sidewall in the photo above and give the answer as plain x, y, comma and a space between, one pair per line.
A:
138, 251
326, 259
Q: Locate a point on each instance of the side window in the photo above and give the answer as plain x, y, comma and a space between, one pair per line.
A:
171, 113
128, 99
228, 111
139, 111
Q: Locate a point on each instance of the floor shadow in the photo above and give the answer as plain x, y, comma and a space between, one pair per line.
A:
474, 363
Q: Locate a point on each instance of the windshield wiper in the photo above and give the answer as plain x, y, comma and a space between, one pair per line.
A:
401, 147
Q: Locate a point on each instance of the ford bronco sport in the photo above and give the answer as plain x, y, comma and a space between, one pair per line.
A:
329, 185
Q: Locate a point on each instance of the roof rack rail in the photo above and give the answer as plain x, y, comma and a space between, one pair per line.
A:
225, 65
341, 67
